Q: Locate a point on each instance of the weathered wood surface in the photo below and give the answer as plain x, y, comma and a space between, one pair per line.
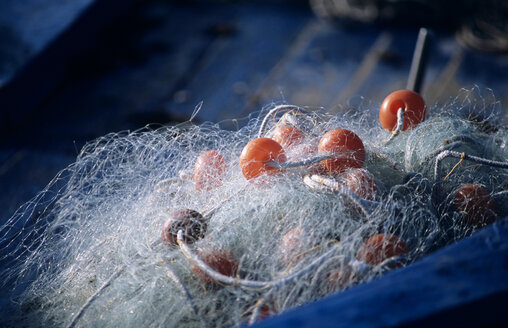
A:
159, 60
28, 26
52, 45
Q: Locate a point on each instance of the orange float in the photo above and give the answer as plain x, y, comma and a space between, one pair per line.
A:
266, 311
475, 204
412, 104
350, 147
287, 135
292, 244
222, 261
191, 222
257, 154
361, 182
209, 170
381, 247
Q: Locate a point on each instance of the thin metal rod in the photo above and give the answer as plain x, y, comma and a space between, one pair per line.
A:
419, 62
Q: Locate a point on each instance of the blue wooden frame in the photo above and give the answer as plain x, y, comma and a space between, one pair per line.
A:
48, 67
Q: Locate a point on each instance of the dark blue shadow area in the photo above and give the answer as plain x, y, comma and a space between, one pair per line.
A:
47, 68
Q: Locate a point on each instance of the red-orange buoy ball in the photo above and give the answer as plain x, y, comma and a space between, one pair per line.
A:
361, 182
287, 135
256, 155
350, 149
412, 104
381, 247
222, 261
475, 205
192, 223
339, 278
209, 170
265, 312
293, 243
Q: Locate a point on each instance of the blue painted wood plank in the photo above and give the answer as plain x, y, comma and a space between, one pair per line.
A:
334, 66
133, 93
320, 68
24, 173
389, 70
48, 67
36, 23
463, 285
236, 64
451, 68
28, 26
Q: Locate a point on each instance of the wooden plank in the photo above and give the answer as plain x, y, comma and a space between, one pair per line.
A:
24, 173
235, 65
28, 26
454, 67
36, 23
171, 53
380, 65
47, 68
322, 67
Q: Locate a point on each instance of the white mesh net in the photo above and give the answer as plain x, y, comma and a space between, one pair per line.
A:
87, 251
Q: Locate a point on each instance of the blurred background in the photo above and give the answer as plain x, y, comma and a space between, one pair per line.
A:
74, 70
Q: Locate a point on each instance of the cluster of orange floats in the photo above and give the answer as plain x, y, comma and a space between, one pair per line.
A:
345, 153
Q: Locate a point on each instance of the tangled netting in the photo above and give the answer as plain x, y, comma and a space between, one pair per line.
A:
87, 251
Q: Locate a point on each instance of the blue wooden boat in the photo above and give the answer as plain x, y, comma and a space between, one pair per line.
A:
122, 67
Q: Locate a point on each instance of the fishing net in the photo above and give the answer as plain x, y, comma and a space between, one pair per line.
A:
134, 234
